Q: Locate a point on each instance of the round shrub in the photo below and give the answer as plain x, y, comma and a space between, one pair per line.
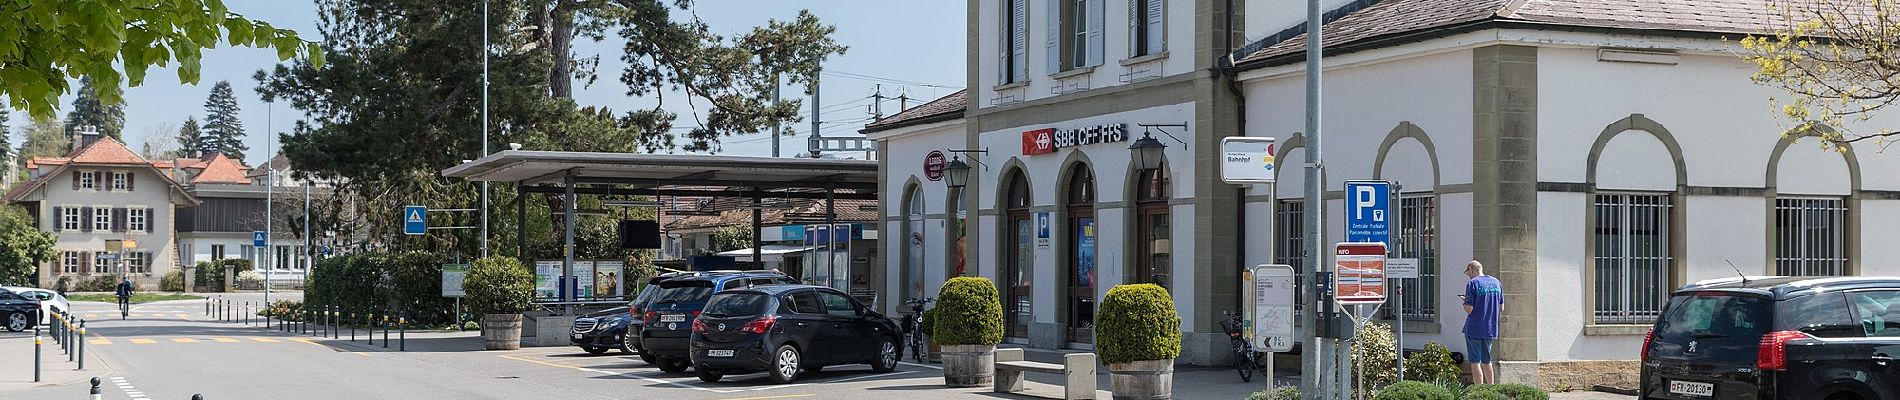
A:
970, 313
173, 281
1483, 392
1279, 393
1412, 390
1373, 350
499, 285
1137, 322
1434, 365
929, 324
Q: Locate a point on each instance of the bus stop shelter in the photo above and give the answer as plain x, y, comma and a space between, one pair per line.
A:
757, 179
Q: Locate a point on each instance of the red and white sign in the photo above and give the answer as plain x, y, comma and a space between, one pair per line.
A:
1359, 272
933, 165
1040, 141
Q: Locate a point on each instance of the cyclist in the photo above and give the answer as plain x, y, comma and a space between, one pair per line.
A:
125, 296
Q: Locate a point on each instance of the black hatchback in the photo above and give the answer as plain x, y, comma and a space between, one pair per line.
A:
1776, 338
666, 326
784, 330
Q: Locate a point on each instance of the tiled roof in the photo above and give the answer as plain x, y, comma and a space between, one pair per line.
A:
1390, 18
104, 151
220, 169
801, 210
941, 107
107, 151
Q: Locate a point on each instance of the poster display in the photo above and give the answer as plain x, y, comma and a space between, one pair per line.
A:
547, 275
583, 279
1272, 314
1085, 251
608, 278
1360, 272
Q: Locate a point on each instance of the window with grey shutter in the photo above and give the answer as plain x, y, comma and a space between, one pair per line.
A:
85, 264
1093, 33
118, 219
1145, 23
76, 180
1019, 46
59, 218
1053, 41
129, 176
85, 216
149, 219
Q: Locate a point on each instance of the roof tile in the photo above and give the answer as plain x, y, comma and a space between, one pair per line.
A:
952, 104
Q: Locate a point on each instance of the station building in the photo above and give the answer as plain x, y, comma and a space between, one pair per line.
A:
1595, 154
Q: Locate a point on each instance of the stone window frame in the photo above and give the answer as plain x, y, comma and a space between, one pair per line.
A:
1677, 243
1851, 216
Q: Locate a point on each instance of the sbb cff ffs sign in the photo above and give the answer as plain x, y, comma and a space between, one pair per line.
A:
933, 165
1048, 140
1360, 272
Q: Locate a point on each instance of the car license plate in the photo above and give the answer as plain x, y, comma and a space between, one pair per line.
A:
673, 318
719, 353
1692, 388
577, 336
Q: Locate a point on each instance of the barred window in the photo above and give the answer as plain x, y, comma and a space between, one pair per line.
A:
1418, 238
1632, 257
1289, 222
1809, 236
70, 262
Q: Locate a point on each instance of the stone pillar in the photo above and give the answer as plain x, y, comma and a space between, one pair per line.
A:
1504, 168
230, 277
191, 277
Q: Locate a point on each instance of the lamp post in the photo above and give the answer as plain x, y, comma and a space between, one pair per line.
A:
1147, 152
956, 174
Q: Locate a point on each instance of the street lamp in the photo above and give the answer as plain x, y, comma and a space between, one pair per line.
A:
1147, 151
956, 173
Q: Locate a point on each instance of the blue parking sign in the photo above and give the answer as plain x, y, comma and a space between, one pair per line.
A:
415, 220
1368, 211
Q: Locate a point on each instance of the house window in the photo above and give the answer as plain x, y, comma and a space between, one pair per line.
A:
71, 218
1289, 223
70, 262
1013, 48
1075, 34
1145, 27
1154, 229
1417, 238
1632, 257
136, 263
101, 262
217, 252
913, 273
87, 180
1075, 29
135, 220
1809, 236
102, 219
118, 181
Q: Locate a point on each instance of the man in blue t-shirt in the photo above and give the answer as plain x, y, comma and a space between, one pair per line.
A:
1484, 299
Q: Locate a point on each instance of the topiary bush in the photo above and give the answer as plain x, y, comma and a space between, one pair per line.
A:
1413, 390
173, 281
1373, 353
1509, 391
1434, 365
499, 285
1137, 322
970, 313
929, 324
1279, 393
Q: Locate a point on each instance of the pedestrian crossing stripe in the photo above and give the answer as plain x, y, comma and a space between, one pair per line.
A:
99, 341
264, 340
185, 340
224, 340
143, 341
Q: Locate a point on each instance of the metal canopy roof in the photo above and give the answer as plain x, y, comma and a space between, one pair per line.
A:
672, 170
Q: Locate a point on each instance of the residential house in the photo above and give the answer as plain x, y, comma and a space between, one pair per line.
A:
99, 192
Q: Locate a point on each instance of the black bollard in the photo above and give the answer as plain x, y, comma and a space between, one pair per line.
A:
82, 345
36, 354
385, 331
402, 334
352, 328
95, 388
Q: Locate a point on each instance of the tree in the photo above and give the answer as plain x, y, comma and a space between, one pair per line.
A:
1839, 62
22, 247
45, 137
109, 118
729, 238
45, 42
6, 133
189, 138
223, 132
155, 142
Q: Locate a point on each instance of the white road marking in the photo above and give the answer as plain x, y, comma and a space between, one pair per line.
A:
129, 390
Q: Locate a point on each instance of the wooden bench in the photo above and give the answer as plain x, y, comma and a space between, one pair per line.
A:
1078, 368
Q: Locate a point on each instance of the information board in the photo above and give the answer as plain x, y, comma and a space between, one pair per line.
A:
1361, 272
452, 275
547, 277
1273, 307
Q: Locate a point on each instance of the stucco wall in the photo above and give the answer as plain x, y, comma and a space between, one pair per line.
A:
148, 190
1115, 31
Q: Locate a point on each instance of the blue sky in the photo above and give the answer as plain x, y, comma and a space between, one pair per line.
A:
909, 41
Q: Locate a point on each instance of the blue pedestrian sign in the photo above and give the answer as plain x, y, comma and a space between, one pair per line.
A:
257, 239
1368, 210
415, 220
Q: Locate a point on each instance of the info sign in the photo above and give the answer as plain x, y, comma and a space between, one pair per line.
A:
1273, 307
1361, 273
1368, 211
1247, 160
452, 275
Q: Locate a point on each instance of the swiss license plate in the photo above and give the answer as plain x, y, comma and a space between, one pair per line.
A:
577, 336
1692, 388
719, 353
673, 318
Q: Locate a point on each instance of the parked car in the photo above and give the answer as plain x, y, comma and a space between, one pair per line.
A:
20, 312
50, 301
1776, 338
786, 329
666, 328
604, 330
636, 310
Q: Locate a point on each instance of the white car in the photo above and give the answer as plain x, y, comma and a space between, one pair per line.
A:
50, 301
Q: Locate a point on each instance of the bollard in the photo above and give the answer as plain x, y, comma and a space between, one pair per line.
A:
247, 313
95, 388
352, 328
369, 324
385, 331
197, 397
36, 354
82, 345
69, 347
402, 334
207, 306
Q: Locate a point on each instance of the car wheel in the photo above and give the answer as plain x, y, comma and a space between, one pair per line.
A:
648, 358
16, 322
785, 364
627, 345
708, 375
595, 350
887, 357
674, 366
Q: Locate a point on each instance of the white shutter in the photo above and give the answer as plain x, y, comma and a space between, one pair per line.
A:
1157, 33
1054, 40
1020, 29
1135, 26
1003, 41
1095, 25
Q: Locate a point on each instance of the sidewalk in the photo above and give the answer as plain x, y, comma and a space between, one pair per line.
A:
16, 375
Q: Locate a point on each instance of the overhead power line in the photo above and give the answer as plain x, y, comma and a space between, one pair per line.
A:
850, 75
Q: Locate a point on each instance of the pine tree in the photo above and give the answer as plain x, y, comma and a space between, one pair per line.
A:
88, 110
223, 132
190, 138
45, 137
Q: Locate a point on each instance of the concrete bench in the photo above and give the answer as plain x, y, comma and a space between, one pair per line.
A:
1078, 368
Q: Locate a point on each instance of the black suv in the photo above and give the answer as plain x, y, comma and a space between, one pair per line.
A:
1776, 338
786, 329
666, 328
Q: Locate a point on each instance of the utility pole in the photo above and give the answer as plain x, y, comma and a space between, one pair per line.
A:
817, 140
903, 100
877, 103
484, 240
777, 127
270, 190
1327, 371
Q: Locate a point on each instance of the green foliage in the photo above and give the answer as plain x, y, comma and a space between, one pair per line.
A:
44, 136
1374, 353
284, 309
1508, 391
173, 281
1482, 392
6, 132
929, 324
189, 138
1834, 61
499, 285
409, 283
1411, 390
98, 283
970, 313
1279, 393
249, 280
109, 118
223, 131
1137, 322
22, 247
731, 238
1434, 365
47, 42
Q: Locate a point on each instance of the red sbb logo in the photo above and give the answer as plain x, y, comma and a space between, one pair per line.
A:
1040, 141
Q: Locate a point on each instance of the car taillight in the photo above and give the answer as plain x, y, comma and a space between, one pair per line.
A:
1773, 354
759, 325
700, 326
695, 314
1647, 339
652, 316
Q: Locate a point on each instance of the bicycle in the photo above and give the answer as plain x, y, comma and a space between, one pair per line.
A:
125, 307
1246, 360
913, 327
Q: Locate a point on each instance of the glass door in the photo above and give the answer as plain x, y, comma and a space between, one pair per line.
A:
1082, 281
1016, 277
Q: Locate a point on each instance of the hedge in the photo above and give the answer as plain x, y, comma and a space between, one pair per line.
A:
408, 283
499, 285
1137, 322
1414, 390
1510, 391
971, 313
173, 281
1434, 365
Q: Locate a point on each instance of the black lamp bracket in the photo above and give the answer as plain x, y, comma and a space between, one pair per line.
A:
1146, 128
979, 161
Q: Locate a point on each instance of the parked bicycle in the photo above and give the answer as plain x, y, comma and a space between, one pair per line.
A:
913, 328
1246, 359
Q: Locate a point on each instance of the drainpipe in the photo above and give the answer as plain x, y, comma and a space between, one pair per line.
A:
1231, 75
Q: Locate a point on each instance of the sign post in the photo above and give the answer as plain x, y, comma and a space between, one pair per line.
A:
1272, 313
1368, 212
1247, 160
415, 220
452, 275
1360, 273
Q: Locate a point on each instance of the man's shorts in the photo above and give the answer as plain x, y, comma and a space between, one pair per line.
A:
1478, 351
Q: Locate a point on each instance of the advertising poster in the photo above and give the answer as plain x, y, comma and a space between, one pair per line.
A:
583, 279
1085, 251
608, 278
1360, 272
546, 277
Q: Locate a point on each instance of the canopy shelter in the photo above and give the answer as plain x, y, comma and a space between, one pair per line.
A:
761, 180
771, 252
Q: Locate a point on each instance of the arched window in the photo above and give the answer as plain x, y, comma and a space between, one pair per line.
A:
1153, 227
1082, 247
959, 219
1016, 274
